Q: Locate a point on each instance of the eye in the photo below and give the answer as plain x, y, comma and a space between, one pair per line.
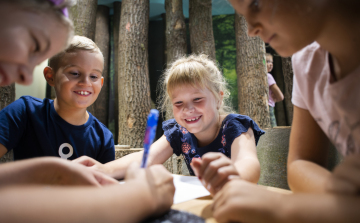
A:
94, 77
74, 73
178, 103
197, 99
254, 5
36, 47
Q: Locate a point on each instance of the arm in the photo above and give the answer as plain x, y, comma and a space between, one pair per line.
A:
50, 171
160, 151
307, 154
277, 95
3, 150
240, 201
215, 169
147, 192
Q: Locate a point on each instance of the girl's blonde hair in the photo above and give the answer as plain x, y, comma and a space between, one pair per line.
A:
197, 71
46, 6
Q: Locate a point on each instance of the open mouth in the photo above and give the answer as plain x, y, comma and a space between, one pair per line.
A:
83, 93
193, 119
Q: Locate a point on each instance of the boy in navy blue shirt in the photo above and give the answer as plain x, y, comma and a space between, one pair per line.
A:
61, 127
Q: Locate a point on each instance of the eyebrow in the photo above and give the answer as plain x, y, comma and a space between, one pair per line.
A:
73, 65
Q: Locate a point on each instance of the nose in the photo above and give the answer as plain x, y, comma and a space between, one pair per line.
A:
84, 80
189, 108
254, 30
25, 75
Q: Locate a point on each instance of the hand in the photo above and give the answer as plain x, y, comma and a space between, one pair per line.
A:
90, 162
214, 170
345, 177
241, 201
159, 184
70, 173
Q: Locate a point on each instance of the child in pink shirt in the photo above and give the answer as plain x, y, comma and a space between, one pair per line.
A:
326, 107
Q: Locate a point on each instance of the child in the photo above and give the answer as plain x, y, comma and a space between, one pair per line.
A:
61, 127
326, 105
275, 94
214, 143
23, 196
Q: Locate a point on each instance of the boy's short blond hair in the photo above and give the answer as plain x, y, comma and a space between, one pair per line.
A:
268, 55
77, 43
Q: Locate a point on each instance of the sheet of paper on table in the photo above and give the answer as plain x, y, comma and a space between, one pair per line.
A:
188, 188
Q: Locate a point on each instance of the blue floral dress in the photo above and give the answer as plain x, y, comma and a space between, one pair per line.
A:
185, 143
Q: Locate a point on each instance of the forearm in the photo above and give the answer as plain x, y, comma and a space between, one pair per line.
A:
306, 176
248, 169
117, 168
121, 203
31, 171
317, 208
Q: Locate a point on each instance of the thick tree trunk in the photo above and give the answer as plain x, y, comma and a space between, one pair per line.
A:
7, 96
101, 105
116, 29
83, 14
251, 73
201, 28
288, 79
134, 89
175, 31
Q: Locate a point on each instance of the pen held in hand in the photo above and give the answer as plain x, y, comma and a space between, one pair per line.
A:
149, 134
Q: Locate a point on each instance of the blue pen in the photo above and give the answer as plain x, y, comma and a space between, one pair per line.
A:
149, 134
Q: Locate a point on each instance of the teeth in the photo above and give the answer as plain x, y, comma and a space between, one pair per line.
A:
83, 92
189, 120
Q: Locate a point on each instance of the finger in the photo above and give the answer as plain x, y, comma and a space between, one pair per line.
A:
212, 168
85, 160
105, 180
196, 165
222, 176
206, 159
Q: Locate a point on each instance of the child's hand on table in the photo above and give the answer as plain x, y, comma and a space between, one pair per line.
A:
214, 170
345, 177
239, 201
159, 186
90, 162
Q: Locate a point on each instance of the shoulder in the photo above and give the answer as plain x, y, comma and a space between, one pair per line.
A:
99, 125
271, 80
170, 124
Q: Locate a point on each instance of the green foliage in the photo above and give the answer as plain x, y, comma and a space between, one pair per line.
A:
225, 45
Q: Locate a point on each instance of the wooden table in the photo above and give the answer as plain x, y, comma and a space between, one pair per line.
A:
202, 206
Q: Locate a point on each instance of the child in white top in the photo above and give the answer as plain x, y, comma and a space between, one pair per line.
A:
326, 106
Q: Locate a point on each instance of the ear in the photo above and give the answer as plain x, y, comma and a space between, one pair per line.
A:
49, 76
221, 94
102, 81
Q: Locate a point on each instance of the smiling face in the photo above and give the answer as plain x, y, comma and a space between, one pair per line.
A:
269, 63
195, 109
79, 80
27, 39
287, 25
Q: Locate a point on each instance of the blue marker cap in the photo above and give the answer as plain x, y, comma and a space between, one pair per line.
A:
149, 134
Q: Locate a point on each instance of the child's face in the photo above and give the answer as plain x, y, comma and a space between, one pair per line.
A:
79, 80
287, 25
269, 63
194, 108
26, 39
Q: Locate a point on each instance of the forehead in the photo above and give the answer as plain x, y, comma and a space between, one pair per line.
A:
185, 90
84, 59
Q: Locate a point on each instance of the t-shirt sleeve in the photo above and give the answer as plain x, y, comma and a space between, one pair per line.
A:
271, 80
173, 135
13, 120
236, 126
108, 152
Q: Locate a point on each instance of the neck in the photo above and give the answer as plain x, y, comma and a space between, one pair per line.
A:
205, 138
340, 38
74, 116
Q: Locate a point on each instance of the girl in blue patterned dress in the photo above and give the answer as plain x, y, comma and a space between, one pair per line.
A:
214, 143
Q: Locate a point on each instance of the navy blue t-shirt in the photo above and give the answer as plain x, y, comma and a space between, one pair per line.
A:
32, 128
185, 143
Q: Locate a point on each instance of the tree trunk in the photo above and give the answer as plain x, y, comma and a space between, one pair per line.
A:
251, 72
201, 28
83, 14
288, 79
116, 29
134, 89
101, 105
7, 96
176, 45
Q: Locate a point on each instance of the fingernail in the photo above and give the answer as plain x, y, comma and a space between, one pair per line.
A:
199, 177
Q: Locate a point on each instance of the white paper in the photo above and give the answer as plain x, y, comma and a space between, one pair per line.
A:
188, 188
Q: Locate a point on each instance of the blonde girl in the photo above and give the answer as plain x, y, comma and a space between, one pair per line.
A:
214, 143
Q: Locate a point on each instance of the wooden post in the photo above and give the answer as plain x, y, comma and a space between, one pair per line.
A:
134, 89
83, 14
101, 105
201, 28
251, 75
7, 96
288, 79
